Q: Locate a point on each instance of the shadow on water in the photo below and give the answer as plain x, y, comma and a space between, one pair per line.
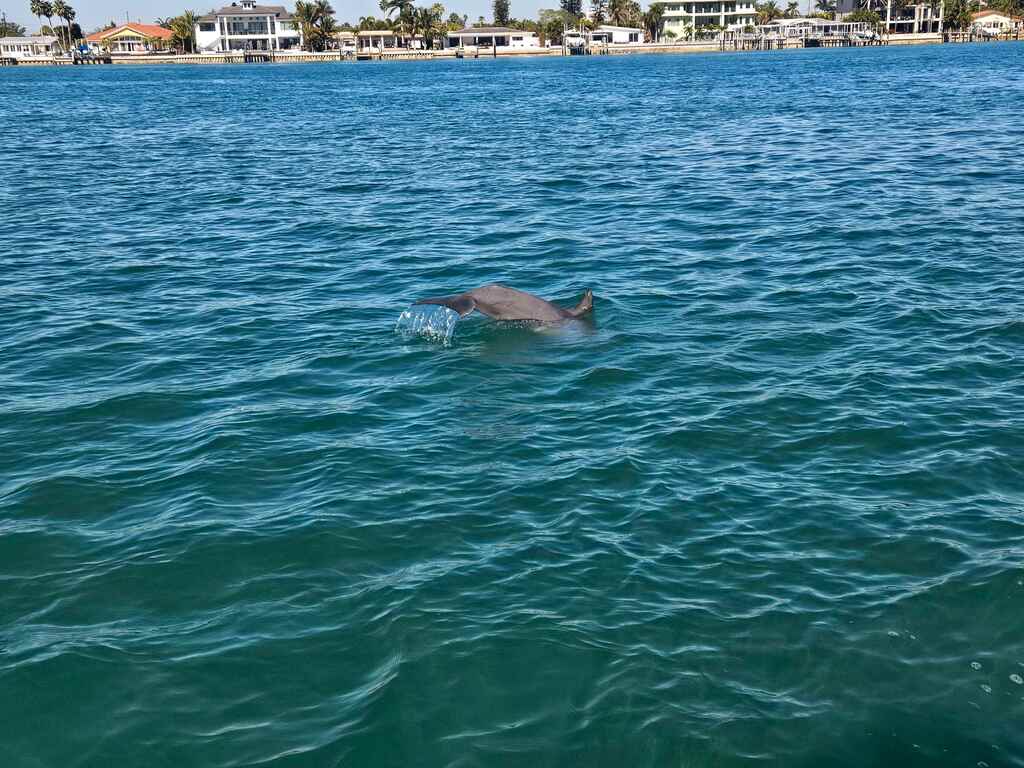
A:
523, 342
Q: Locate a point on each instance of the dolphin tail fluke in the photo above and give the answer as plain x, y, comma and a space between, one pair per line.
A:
462, 303
586, 304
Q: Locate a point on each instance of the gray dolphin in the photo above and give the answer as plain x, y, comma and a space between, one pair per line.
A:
504, 303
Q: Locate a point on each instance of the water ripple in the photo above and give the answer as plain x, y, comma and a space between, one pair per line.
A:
768, 508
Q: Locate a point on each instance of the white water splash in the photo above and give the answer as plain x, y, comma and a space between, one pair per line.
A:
431, 321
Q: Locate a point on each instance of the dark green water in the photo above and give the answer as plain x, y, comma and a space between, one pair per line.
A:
767, 509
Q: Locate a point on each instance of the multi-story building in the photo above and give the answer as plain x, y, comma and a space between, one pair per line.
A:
684, 19
245, 26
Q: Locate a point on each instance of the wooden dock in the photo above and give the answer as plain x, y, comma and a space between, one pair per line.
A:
753, 42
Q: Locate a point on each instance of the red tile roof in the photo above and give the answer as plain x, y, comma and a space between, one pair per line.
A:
146, 30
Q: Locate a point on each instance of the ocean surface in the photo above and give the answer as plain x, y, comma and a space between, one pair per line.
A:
764, 508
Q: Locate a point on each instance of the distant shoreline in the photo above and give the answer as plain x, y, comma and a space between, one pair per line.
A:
285, 57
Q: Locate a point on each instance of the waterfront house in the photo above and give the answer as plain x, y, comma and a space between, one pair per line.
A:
994, 22
130, 38
346, 40
814, 27
606, 33
689, 19
379, 40
245, 26
27, 48
493, 37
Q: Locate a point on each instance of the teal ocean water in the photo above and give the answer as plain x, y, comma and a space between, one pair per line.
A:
766, 509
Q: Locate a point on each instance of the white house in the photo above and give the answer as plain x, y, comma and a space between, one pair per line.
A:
994, 22
493, 37
606, 33
245, 26
814, 27
346, 40
378, 40
39, 47
687, 19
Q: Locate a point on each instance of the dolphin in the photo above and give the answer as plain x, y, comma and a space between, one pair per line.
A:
503, 303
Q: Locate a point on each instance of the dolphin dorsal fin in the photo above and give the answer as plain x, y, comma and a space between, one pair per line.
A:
585, 304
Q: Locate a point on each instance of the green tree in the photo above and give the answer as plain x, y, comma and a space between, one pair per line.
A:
304, 17
599, 11
63, 10
315, 19
958, 15
48, 12
861, 15
1009, 7
827, 7
767, 12
792, 10
10, 29
572, 8
618, 12
501, 11
428, 22
653, 20
551, 24
327, 31
183, 29
41, 9
326, 25
371, 22
402, 8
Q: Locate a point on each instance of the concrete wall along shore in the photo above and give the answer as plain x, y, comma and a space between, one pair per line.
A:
281, 57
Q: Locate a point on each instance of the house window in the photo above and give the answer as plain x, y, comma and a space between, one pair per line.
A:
634, 37
207, 26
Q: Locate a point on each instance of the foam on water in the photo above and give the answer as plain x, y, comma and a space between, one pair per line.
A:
430, 321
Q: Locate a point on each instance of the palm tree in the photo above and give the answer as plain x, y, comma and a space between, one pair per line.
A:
48, 12
618, 12
61, 11
402, 7
427, 21
653, 20
326, 24
827, 7
184, 29
792, 9
304, 17
328, 29
41, 8
767, 12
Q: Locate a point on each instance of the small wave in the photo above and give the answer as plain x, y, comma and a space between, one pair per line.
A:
429, 321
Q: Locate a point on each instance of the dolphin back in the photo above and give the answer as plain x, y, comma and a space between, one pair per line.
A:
463, 303
503, 303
